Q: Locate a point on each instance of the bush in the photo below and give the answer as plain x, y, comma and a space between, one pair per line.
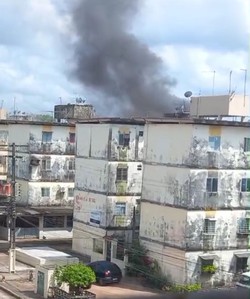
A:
210, 269
75, 275
184, 288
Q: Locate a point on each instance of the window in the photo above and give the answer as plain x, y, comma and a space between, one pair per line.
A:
246, 144
245, 185
47, 137
122, 174
72, 137
120, 208
140, 133
70, 221
209, 226
212, 185
46, 164
214, 142
98, 246
124, 139
241, 264
243, 226
45, 192
71, 164
53, 221
70, 192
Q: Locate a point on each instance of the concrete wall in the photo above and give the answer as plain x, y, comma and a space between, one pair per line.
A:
100, 176
188, 145
163, 225
186, 187
101, 141
225, 262
226, 230
95, 206
31, 194
220, 105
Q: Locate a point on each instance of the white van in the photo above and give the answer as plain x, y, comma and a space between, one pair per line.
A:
244, 281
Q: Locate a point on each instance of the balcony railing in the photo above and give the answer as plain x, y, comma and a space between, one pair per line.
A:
48, 176
52, 148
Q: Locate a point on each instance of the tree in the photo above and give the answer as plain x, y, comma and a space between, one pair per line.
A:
77, 276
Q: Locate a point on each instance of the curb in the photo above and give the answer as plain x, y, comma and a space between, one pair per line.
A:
15, 294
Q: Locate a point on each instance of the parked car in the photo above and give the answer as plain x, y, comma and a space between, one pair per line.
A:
106, 272
244, 281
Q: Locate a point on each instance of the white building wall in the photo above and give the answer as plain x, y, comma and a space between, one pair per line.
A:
102, 141
188, 145
100, 176
58, 194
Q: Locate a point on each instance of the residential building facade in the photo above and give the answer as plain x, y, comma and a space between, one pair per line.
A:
107, 187
195, 207
45, 174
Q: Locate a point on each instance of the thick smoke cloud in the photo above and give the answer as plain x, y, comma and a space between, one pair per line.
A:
112, 61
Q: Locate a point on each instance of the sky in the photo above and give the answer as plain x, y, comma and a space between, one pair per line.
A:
198, 41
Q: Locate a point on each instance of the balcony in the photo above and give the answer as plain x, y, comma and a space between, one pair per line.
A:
70, 149
40, 148
48, 176
211, 200
122, 221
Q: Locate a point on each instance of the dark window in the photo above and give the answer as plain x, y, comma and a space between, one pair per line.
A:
70, 192
124, 139
209, 226
46, 164
243, 226
214, 142
72, 137
212, 185
45, 192
246, 144
141, 133
98, 246
71, 164
70, 221
46, 137
122, 174
53, 221
241, 264
245, 185
120, 208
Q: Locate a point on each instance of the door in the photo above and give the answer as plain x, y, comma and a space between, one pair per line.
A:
40, 283
108, 254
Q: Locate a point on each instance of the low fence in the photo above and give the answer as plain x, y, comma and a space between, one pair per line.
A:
58, 293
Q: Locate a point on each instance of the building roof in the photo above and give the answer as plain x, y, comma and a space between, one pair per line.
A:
164, 120
113, 120
33, 122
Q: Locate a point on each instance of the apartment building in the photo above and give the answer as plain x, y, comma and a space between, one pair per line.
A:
45, 174
107, 186
195, 207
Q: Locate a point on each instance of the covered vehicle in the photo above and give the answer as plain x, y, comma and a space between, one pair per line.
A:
106, 272
244, 281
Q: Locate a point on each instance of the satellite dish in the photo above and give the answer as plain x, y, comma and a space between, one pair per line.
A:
188, 94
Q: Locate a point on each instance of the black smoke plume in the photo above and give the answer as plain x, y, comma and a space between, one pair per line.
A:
129, 77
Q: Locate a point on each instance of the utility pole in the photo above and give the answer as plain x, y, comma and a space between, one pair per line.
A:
133, 225
12, 213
